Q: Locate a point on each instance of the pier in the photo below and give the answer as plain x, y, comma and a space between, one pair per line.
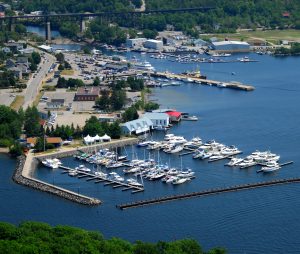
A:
98, 179
207, 192
199, 80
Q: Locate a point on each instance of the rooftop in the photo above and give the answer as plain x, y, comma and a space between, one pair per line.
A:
219, 43
156, 115
88, 91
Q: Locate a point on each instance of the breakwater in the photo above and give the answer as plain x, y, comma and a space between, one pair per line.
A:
49, 188
207, 192
27, 165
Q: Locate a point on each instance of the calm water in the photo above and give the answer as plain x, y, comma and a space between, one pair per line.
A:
254, 221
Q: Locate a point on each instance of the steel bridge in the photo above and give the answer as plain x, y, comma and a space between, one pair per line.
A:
82, 16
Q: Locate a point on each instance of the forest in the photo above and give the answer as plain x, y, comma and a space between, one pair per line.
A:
36, 237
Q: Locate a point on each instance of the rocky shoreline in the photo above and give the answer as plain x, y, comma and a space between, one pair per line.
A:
45, 187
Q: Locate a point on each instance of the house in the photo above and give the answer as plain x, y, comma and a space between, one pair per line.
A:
16, 71
56, 141
4, 7
175, 116
137, 127
87, 93
158, 119
55, 104
14, 46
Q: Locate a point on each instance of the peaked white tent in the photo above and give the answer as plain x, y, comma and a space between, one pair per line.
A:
105, 138
88, 139
97, 138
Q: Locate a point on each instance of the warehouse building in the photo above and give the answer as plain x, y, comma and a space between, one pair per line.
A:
153, 44
158, 119
231, 46
135, 43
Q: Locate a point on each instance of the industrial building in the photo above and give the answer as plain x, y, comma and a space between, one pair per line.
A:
153, 44
135, 43
231, 46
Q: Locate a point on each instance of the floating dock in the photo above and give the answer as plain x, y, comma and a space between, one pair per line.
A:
98, 179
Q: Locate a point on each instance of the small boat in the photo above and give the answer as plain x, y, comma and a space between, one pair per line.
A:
179, 180
270, 167
134, 182
50, 163
176, 149
189, 118
83, 168
234, 162
72, 172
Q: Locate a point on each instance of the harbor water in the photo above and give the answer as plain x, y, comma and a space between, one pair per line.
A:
253, 221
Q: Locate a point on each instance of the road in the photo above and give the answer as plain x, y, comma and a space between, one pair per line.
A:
35, 81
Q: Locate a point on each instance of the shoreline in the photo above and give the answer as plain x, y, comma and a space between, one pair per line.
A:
26, 165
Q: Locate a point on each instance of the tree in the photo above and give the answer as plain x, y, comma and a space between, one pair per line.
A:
118, 99
60, 57
32, 125
16, 149
149, 106
103, 102
96, 81
115, 130
130, 114
36, 57
40, 144
150, 34
93, 127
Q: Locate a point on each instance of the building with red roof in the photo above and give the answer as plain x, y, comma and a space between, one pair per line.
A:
175, 116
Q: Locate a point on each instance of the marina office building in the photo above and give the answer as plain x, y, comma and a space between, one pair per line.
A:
138, 126
158, 119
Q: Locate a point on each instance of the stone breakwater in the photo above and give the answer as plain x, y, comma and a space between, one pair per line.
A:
27, 165
49, 188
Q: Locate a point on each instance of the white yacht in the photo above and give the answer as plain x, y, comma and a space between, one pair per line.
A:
144, 66
179, 180
271, 166
73, 172
234, 162
177, 149
50, 163
83, 168
134, 182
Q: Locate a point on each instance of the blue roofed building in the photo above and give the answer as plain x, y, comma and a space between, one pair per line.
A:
158, 119
137, 127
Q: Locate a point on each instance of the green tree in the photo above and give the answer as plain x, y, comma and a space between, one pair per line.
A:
32, 125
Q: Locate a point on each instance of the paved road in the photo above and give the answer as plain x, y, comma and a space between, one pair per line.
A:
36, 80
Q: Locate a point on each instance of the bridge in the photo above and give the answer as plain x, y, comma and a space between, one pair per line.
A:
82, 16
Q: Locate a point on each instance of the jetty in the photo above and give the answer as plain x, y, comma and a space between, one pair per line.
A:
199, 80
26, 165
207, 193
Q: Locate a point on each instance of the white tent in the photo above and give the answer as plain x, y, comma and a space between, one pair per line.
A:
88, 139
97, 138
106, 138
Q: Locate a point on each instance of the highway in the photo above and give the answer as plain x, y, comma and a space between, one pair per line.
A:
36, 79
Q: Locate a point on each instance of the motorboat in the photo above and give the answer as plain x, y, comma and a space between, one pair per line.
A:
177, 149
169, 136
83, 168
72, 172
186, 174
115, 177
134, 182
234, 162
230, 151
179, 180
50, 163
248, 162
270, 167
101, 174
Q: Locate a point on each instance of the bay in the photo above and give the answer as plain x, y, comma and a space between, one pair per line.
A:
254, 221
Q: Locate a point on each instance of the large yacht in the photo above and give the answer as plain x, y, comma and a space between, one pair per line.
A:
144, 66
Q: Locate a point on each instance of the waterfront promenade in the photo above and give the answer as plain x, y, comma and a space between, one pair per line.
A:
24, 173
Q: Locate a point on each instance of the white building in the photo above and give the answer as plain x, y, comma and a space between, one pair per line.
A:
158, 119
135, 43
153, 44
138, 126
231, 46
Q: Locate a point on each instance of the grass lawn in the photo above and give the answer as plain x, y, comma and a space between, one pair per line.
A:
67, 72
17, 102
268, 35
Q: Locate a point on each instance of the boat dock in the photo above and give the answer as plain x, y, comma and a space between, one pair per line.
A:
98, 179
207, 192
199, 80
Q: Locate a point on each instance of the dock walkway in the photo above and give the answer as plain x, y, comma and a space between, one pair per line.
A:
98, 179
